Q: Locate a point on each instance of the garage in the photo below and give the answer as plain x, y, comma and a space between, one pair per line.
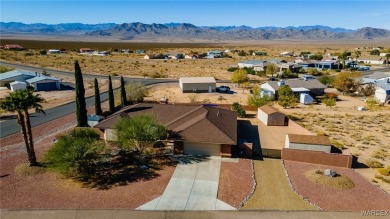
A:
197, 84
196, 148
46, 86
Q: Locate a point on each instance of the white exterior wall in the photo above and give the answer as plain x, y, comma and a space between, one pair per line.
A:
310, 147
287, 142
375, 62
243, 65
18, 86
262, 116
110, 135
381, 96
266, 87
196, 148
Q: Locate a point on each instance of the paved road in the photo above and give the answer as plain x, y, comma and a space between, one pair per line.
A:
10, 126
193, 186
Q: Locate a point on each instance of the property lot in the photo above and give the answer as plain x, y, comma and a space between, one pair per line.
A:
273, 190
363, 196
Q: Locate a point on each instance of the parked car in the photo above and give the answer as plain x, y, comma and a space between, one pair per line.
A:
223, 89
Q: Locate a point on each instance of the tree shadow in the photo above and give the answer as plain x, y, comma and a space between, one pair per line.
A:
123, 169
8, 117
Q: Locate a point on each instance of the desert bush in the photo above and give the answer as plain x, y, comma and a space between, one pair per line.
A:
329, 102
384, 171
75, 154
5, 69
374, 164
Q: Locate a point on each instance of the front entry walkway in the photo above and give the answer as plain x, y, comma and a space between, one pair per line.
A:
193, 186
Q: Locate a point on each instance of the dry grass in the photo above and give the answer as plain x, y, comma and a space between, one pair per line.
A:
338, 182
26, 170
272, 190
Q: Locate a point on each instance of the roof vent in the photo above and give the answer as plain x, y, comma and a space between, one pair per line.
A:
281, 83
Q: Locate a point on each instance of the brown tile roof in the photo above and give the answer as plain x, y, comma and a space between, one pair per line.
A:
268, 109
192, 122
309, 139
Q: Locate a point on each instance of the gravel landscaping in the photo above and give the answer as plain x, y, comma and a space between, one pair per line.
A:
235, 182
364, 196
51, 191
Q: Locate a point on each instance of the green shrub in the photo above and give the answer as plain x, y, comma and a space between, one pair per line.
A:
75, 154
329, 102
232, 69
238, 108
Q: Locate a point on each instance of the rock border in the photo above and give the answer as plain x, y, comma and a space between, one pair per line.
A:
253, 188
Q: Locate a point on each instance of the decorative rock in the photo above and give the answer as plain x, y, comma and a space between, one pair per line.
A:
329, 172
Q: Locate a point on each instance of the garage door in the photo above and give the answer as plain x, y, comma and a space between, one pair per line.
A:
202, 149
46, 86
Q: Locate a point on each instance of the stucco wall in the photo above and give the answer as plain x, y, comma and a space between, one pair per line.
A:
201, 87
317, 157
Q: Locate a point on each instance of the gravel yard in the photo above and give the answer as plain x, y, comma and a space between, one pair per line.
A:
364, 196
235, 182
51, 191
272, 190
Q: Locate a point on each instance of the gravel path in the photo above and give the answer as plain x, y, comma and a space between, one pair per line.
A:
235, 182
364, 196
52, 191
273, 191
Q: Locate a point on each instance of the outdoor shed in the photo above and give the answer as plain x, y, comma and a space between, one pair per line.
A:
271, 116
382, 92
44, 83
308, 142
197, 84
17, 85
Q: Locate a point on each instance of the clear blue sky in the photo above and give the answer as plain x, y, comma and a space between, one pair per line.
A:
348, 14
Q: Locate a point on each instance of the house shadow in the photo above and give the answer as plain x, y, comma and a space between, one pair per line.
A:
67, 86
247, 132
190, 159
356, 164
121, 170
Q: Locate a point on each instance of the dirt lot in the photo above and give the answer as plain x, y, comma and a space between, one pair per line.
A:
362, 197
174, 95
273, 191
235, 182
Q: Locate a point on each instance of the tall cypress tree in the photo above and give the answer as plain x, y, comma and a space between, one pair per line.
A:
123, 93
98, 107
111, 103
81, 109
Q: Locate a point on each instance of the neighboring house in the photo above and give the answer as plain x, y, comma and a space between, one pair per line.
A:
155, 56
308, 142
101, 53
329, 58
370, 60
306, 63
214, 54
201, 129
293, 67
326, 65
17, 85
86, 50
15, 75
38, 81
382, 92
286, 53
271, 116
44, 83
197, 84
140, 51
251, 63
375, 77
14, 47
54, 51
191, 56
175, 55
298, 86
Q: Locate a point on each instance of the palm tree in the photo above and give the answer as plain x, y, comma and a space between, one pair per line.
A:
357, 54
20, 102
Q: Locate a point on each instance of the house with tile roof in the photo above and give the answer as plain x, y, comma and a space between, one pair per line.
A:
198, 129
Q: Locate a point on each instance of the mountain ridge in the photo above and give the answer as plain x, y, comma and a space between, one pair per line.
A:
138, 30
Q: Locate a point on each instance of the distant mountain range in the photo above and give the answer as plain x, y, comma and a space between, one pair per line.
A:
141, 31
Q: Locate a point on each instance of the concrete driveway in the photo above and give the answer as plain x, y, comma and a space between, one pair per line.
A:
193, 186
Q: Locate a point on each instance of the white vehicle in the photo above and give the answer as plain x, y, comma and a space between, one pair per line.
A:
223, 89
